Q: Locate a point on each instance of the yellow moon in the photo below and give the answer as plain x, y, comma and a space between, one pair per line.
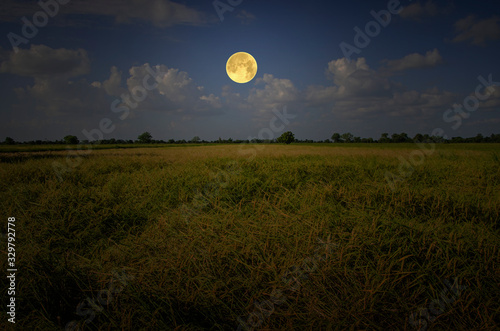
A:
241, 67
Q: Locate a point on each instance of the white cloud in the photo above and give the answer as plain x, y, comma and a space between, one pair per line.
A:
356, 92
415, 61
276, 93
341, 69
43, 61
245, 17
493, 101
160, 13
276, 90
417, 10
112, 85
211, 99
360, 92
55, 92
356, 79
55, 96
174, 91
477, 31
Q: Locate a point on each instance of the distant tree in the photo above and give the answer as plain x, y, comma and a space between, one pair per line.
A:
495, 138
336, 137
384, 138
357, 139
9, 141
438, 139
478, 138
347, 137
286, 138
195, 139
418, 138
171, 141
400, 138
145, 138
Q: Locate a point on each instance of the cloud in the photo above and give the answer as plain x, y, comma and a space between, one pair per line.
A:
160, 13
41, 60
354, 92
356, 79
415, 61
276, 93
56, 96
171, 90
417, 10
56, 93
245, 17
339, 70
477, 31
493, 101
112, 85
361, 92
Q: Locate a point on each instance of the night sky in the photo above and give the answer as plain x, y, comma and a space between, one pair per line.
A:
413, 75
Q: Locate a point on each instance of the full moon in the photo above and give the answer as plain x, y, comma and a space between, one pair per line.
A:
241, 67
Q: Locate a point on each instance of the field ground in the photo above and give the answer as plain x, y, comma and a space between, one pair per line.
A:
300, 237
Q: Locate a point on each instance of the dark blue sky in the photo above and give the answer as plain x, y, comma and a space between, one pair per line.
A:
65, 78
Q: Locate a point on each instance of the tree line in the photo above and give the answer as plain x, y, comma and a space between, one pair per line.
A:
404, 138
287, 138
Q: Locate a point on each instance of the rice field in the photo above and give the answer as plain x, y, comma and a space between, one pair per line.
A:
265, 237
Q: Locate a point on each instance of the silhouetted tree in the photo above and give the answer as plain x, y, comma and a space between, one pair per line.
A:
347, 137
286, 138
145, 138
336, 137
384, 138
495, 138
400, 138
71, 140
9, 141
418, 138
195, 139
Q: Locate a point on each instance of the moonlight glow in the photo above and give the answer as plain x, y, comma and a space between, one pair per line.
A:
241, 67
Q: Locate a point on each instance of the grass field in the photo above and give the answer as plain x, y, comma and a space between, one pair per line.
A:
301, 237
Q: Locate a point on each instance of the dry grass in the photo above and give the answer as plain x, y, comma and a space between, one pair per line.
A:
206, 233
